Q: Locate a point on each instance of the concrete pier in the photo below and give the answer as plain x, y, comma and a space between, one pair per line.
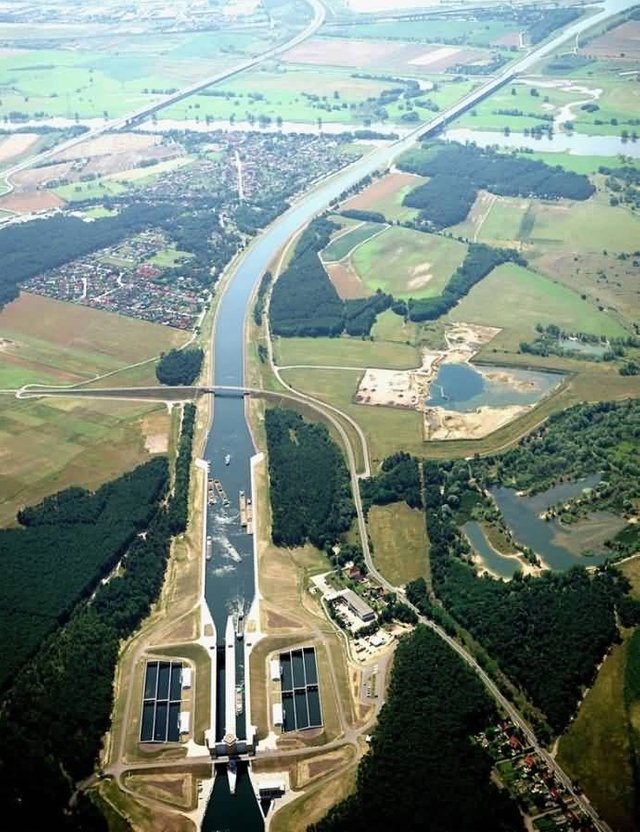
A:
230, 679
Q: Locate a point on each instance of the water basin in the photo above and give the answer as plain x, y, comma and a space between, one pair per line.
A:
465, 388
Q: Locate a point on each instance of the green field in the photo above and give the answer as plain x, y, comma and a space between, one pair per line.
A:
590, 226
408, 263
596, 750
114, 74
517, 299
340, 246
400, 543
169, 257
484, 116
496, 220
345, 352
296, 93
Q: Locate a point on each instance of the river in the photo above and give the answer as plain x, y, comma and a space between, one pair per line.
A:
230, 581
575, 144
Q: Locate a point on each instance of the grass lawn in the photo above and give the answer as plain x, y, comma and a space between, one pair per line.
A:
400, 543
50, 341
169, 257
340, 246
596, 750
408, 263
391, 327
495, 220
346, 352
570, 161
517, 299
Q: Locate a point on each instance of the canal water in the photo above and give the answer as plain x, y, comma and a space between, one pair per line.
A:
229, 579
464, 387
575, 144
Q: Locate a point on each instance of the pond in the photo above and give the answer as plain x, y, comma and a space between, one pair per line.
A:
521, 514
465, 388
497, 563
575, 144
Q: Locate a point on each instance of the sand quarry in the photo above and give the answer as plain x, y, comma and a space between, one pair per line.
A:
411, 388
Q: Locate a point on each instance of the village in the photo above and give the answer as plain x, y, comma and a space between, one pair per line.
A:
542, 798
230, 186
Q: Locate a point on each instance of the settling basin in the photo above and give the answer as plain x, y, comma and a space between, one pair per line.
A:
465, 388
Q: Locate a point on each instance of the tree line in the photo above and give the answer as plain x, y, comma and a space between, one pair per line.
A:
309, 489
422, 769
179, 366
457, 172
30, 248
479, 261
61, 550
54, 715
397, 481
304, 301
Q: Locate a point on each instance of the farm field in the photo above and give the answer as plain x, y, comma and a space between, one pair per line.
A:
476, 33
407, 263
342, 244
400, 543
345, 352
517, 299
394, 55
623, 42
596, 748
56, 443
496, 220
299, 93
47, 341
385, 195
115, 74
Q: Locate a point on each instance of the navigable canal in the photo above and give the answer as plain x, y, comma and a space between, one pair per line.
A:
230, 583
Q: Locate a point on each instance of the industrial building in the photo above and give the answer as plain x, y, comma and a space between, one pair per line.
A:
358, 606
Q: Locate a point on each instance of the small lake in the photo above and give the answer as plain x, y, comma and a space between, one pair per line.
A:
575, 144
521, 514
495, 562
464, 388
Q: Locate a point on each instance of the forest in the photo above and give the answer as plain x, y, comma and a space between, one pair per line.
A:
63, 547
179, 366
479, 261
304, 301
309, 483
443, 200
30, 248
398, 480
54, 715
261, 297
459, 171
422, 770
547, 633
